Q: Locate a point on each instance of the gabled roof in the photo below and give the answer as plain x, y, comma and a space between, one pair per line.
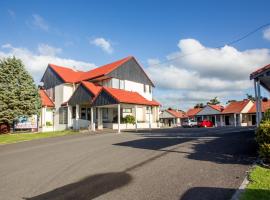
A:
123, 96
258, 71
235, 107
216, 107
176, 113
265, 106
67, 74
45, 99
193, 111
103, 70
94, 89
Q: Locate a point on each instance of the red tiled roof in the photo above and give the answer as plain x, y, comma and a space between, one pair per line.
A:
193, 111
176, 113
45, 99
216, 107
92, 87
123, 96
103, 70
265, 106
235, 107
67, 74
260, 70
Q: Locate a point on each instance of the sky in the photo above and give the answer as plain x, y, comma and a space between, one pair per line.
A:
182, 45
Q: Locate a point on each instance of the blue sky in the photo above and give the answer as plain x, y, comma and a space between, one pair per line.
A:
145, 29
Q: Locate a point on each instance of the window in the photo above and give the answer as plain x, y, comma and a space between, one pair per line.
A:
63, 115
127, 110
73, 112
115, 83
122, 84
51, 93
83, 113
144, 88
150, 89
105, 114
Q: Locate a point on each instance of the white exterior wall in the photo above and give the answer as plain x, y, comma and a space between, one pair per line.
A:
62, 94
138, 87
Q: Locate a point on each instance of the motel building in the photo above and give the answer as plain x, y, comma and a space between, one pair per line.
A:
99, 98
171, 117
261, 77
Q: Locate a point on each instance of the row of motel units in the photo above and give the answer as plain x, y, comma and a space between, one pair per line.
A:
99, 98
171, 117
237, 113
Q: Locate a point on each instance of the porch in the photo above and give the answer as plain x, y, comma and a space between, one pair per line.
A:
112, 117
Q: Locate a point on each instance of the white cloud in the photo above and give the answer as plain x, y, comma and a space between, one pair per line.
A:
39, 22
36, 62
266, 34
197, 72
45, 49
104, 44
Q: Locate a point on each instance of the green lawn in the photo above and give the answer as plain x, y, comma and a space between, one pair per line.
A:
18, 137
259, 186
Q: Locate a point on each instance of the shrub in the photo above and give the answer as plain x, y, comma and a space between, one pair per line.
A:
263, 139
48, 123
129, 119
266, 115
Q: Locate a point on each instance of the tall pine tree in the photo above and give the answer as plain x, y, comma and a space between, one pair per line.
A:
18, 93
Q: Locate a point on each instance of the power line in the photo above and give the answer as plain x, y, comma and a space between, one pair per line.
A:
217, 47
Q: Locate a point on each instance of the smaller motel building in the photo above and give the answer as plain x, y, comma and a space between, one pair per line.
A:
171, 117
237, 113
98, 98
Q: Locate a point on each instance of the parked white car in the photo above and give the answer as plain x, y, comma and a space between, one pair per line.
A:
190, 123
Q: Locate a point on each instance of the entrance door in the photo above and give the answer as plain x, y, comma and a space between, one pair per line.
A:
227, 120
253, 119
213, 120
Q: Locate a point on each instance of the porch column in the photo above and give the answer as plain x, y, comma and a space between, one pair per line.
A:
119, 117
44, 116
234, 116
221, 120
92, 119
215, 121
259, 102
136, 125
100, 123
69, 116
240, 119
77, 117
157, 112
256, 97
149, 114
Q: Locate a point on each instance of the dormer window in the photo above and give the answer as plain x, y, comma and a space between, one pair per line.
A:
144, 88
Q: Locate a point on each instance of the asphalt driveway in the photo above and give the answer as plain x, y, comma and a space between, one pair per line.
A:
160, 164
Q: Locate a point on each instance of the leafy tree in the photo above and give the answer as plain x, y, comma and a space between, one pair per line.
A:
199, 105
18, 93
250, 97
213, 101
230, 101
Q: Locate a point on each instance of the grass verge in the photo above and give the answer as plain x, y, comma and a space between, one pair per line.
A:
259, 186
19, 137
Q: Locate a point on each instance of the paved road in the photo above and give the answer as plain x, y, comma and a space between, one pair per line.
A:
169, 164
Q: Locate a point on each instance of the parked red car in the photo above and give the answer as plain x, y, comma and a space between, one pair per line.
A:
206, 123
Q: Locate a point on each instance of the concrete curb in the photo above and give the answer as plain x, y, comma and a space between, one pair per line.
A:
241, 189
244, 184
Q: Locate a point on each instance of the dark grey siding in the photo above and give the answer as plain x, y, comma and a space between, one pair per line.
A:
208, 111
131, 71
51, 79
104, 99
81, 96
